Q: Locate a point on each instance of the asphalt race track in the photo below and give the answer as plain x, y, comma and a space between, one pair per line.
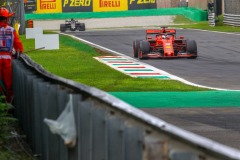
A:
217, 66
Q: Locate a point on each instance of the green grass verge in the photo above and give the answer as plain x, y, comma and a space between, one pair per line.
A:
220, 27
74, 60
180, 19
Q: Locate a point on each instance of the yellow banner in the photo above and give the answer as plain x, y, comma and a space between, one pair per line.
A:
110, 5
49, 6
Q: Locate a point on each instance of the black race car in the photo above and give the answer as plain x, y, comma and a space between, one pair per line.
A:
72, 25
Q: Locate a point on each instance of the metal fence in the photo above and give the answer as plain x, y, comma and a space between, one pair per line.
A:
232, 6
232, 19
232, 12
107, 128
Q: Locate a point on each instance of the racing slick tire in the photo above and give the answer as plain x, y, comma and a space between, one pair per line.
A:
82, 27
192, 48
136, 44
62, 27
144, 49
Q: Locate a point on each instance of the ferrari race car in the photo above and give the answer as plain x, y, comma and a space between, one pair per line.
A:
72, 25
163, 43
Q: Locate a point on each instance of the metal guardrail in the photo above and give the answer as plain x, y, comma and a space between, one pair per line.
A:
232, 19
107, 128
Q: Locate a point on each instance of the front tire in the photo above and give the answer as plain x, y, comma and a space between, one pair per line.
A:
144, 49
192, 48
82, 27
62, 27
136, 45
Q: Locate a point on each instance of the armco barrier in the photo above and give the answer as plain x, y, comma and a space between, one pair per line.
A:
232, 19
107, 128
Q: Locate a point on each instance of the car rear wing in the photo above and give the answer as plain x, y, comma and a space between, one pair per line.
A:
151, 33
160, 31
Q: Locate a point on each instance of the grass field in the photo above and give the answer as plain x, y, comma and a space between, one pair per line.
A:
74, 60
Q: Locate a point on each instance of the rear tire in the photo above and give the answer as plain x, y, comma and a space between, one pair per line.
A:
144, 49
192, 48
62, 27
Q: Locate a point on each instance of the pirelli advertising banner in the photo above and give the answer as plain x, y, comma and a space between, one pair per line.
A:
77, 5
141, 4
122, 5
49, 6
58, 6
110, 5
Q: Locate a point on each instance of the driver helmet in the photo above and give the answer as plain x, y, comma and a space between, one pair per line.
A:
164, 36
163, 30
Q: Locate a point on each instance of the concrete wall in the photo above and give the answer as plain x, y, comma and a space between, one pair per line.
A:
167, 3
201, 4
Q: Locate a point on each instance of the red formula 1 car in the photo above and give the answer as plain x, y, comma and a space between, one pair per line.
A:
162, 43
